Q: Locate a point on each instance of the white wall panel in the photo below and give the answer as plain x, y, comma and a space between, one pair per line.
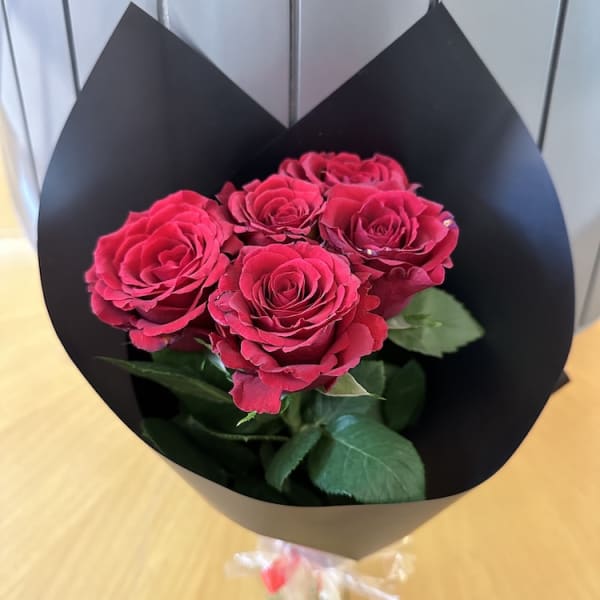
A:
572, 144
339, 37
248, 41
514, 38
93, 22
592, 305
13, 137
43, 63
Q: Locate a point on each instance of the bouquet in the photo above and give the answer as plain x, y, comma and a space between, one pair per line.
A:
265, 315
284, 330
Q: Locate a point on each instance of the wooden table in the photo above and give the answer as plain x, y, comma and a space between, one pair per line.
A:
88, 512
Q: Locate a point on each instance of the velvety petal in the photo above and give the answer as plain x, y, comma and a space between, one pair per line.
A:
354, 343
397, 288
229, 352
226, 191
377, 327
148, 343
256, 355
287, 379
170, 327
108, 313
249, 394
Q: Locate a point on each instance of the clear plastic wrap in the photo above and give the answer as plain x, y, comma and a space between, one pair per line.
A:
291, 572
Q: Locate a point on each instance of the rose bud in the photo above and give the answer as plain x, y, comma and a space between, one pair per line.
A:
278, 209
152, 276
327, 169
399, 241
289, 318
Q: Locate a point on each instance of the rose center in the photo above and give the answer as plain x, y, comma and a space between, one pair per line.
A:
283, 289
287, 213
384, 231
282, 211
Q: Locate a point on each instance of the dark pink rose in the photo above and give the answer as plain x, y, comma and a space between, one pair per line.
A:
278, 209
399, 241
327, 169
152, 276
289, 318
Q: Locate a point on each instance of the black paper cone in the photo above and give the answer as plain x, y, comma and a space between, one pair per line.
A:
155, 117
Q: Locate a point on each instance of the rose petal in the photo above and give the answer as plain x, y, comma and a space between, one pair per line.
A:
249, 394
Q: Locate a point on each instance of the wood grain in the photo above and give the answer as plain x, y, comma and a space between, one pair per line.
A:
88, 512
9, 224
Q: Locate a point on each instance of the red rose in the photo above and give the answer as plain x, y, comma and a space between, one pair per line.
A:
398, 240
327, 169
290, 317
277, 209
152, 276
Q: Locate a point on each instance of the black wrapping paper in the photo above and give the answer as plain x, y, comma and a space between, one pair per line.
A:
155, 117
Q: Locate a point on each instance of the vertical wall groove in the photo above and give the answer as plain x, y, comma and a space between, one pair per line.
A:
294, 74
13, 62
71, 44
558, 35
162, 12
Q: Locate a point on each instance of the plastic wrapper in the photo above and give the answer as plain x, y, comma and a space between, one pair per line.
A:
291, 572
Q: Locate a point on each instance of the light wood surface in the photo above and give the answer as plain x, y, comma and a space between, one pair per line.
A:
88, 512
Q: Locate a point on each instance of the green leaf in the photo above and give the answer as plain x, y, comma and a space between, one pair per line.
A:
224, 417
291, 413
367, 461
356, 393
404, 393
192, 425
398, 322
216, 372
266, 452
169, 440
202, 364
439, 324
346, 386
190, 362
325, 409
176, 380
249, 417
265, 424
234, 456
370, 375
290, 455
